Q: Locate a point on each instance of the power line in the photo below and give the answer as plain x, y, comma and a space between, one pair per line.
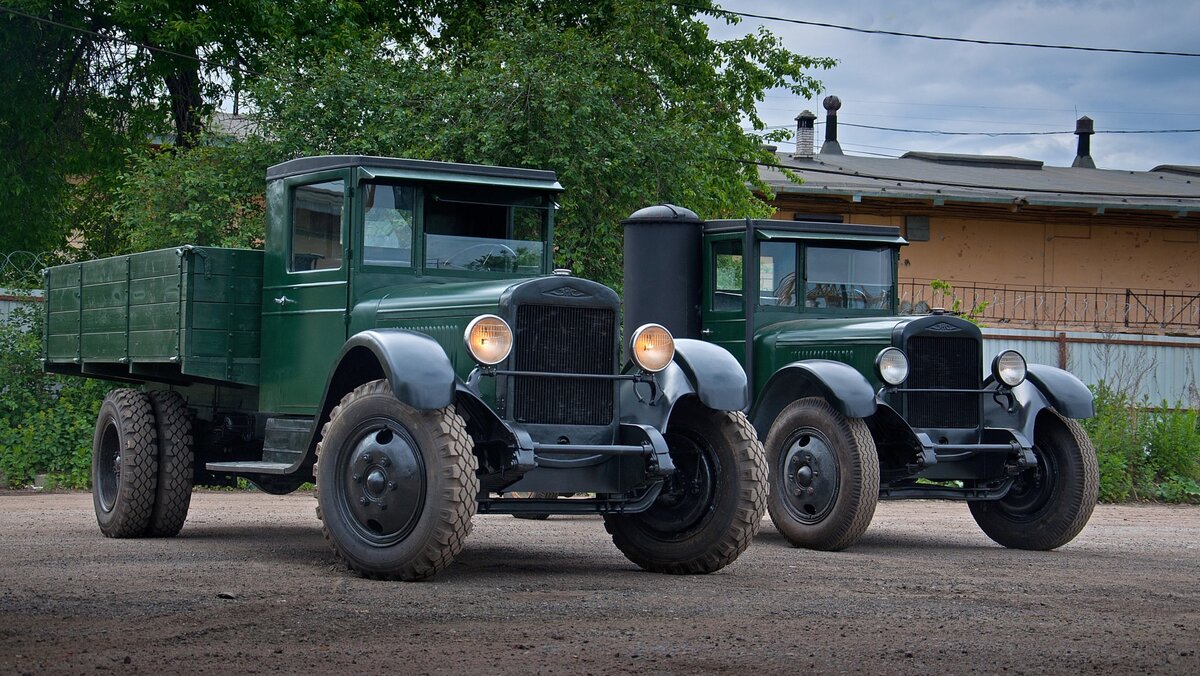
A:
124, 41
938, 132
872, 31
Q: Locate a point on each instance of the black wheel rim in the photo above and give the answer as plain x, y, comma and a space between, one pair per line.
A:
1033, 488
381, 481
108, 480
808, 475
689, 495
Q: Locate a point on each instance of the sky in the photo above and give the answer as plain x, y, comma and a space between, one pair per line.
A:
888, 81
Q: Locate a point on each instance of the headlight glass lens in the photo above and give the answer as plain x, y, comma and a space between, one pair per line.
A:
652, 347
1009, 368
489, 340
892, 366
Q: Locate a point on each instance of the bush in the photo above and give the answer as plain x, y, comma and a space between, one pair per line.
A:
1143, 453
46, 422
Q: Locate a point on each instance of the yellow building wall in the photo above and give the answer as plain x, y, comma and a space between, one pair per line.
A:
1045, 252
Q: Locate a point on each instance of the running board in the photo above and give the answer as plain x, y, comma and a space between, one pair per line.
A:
250, 467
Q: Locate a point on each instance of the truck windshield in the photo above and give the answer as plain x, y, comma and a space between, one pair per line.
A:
486, 230
847, 278
833, 277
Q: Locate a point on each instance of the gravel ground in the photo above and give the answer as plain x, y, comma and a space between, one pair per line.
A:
250, 586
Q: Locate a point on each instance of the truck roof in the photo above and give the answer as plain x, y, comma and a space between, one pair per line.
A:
308, 165
775, 229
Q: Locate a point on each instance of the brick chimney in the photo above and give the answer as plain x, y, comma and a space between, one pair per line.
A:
1084, 129
805, 135
831, 147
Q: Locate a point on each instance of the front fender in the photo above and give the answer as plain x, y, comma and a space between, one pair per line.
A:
838, 383
1067, 393
415, 365
716, 376
700, 369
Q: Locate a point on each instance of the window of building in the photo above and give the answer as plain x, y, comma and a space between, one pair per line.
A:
916, 228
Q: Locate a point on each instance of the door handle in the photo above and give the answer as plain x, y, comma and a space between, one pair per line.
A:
283, 300
706, 332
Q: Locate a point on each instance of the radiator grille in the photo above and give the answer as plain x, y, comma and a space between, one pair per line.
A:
943, 362
558, 339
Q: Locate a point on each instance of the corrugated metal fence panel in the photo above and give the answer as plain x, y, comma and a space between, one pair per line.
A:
1154, 368
11, 299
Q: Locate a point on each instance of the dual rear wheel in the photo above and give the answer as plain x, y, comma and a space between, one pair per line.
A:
142, 464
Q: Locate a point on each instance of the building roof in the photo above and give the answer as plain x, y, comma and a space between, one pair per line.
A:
946, 178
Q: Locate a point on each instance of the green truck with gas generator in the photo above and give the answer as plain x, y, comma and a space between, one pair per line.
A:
854, 402
404, 342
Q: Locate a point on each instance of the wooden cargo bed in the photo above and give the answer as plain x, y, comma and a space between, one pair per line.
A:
188, 314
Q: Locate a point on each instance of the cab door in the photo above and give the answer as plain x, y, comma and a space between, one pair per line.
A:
723, 309
305, 290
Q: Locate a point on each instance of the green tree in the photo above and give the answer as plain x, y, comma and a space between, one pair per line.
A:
85, 82
631, 102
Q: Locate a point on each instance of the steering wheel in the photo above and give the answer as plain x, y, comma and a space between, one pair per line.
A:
480, 262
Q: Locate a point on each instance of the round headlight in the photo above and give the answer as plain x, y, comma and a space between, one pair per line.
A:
891, 365
1009, 368
488, 339
652, 347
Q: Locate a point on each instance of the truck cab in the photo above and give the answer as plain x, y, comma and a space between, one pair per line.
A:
404, 342
856, 402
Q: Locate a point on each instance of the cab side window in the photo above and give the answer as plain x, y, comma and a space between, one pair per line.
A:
316, 232
388, 224
728, 285
777, 274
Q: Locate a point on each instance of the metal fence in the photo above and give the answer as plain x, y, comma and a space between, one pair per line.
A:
1075, 308
23, 269
1150, 369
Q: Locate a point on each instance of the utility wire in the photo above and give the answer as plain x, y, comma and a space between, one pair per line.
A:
871, 31
938, 132
124, 41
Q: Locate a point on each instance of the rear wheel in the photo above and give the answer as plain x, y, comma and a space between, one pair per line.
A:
396, 487
1049, 504
173, 496
531, 495
124, 464
711, 507
824, 475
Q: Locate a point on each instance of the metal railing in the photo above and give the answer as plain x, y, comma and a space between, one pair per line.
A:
1048, 307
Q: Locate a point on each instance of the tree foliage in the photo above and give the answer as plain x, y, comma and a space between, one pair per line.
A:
630, 102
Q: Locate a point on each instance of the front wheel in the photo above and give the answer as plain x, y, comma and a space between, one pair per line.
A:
711, 507
824, 475
396, 487
1048, 504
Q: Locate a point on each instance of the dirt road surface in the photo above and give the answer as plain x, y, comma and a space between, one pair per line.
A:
250, 586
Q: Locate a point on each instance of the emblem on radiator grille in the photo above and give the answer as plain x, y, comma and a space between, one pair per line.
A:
566, 292
943, 327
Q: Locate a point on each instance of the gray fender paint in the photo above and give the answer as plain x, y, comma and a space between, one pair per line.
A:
645, 403
838, 383
1067, 393
701, 369
417, 367
716, 375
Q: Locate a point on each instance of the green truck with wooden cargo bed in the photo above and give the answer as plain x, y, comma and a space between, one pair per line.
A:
404, 343
854, 401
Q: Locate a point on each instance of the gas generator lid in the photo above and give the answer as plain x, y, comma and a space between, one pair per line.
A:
662, 212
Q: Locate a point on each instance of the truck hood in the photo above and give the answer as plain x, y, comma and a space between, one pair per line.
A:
831, 331
458, 297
